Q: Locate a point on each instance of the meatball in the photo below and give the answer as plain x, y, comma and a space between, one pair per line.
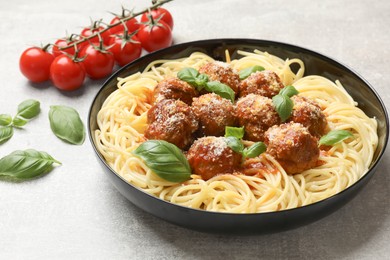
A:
292, 146
256, 113
173, 121
220, 71
309, 114
214, 113
210, 155
174, 88
266, 83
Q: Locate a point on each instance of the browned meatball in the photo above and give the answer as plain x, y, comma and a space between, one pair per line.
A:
220, 71
214, 113
266, 83
172, 121
256, 113
292, 146
210, 155
309, 114
174, 88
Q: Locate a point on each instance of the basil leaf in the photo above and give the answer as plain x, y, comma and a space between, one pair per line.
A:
283, 105
334, 137
28, 109
289, 91
6, 133
66, 124
19, 122
234, 131
254, 150
201, 81
235, 144
5, 120
220, 89
164, 159
188, 75
193, 77
248, 71
26, 164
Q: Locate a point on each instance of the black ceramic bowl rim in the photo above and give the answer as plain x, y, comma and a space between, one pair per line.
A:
236, 41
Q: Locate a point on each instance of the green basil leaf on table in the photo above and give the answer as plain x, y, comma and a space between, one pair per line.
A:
248, 71
5, 120
19, 122
289, 91
234, 131
26, 164
254, 150
235, 144
334, 137
220, 89
164, 159
66, 124
6, 133
28, 109
283, 105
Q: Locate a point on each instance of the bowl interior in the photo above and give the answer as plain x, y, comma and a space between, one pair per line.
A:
315, 64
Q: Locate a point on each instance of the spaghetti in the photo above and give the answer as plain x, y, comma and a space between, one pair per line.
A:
122, 121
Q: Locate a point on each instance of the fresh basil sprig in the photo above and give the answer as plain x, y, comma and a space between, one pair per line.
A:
201, 81
283, 103
164, 159
221, 90
234, 131
289, 91
27, 110
235, 144
334, 137
6, 133
66, 124
19, 122
248, 71
254, 150
26, 164
193, 77
5, 120
233, 136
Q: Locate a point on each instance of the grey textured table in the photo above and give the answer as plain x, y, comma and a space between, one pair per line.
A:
75, 213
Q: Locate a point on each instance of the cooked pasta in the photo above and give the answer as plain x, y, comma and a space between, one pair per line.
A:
122, 122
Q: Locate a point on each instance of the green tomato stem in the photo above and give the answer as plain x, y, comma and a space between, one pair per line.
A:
154, 6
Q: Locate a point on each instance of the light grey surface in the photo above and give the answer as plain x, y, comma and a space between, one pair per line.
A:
74, 213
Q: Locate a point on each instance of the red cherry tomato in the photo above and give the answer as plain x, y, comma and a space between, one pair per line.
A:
60, 43
67, 74
157, 13
124, 50
98, 64
155, 37
86, 32
34, 63
132, 25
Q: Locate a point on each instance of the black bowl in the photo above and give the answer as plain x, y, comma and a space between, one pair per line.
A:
255, 223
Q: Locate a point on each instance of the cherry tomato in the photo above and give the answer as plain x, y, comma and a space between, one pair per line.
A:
132, 25
98, 64
157, 13
67, 74
125, 50
34, 63
60, 43
155, 37
88, 31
